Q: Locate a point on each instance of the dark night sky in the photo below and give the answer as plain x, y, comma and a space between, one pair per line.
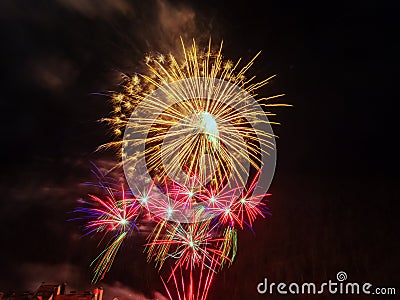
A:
335, 193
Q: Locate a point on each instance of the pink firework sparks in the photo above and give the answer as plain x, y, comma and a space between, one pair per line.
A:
111, 214
189, 284
190, 245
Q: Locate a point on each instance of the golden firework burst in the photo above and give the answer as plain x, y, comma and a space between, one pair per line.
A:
205, 129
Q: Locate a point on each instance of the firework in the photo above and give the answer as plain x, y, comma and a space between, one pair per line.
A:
196, 252
188, 244
112, 216
185, 285
192, 121
198, 155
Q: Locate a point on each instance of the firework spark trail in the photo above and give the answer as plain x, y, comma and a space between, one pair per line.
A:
104, 261
189, 285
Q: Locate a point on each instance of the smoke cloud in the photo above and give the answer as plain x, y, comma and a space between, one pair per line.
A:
122, 292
